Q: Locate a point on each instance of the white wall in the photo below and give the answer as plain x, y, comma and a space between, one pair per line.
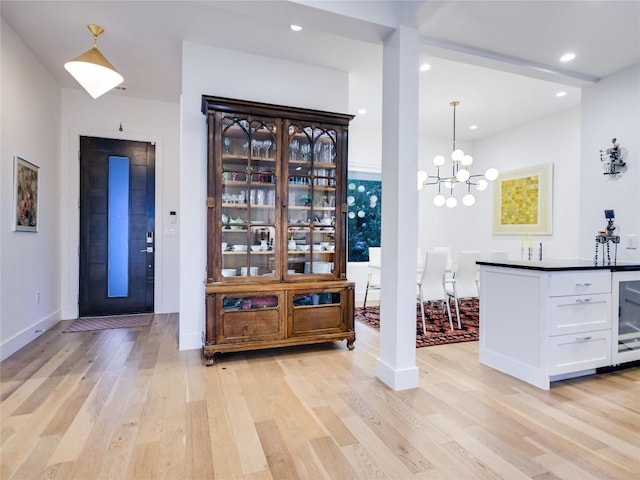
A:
611, 108
30, 262
554, 139
228, 73
141, 120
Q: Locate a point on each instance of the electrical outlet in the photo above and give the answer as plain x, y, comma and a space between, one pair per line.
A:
631, 242
37, 297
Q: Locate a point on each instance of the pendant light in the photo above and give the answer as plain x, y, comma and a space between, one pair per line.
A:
92, 70
460, 163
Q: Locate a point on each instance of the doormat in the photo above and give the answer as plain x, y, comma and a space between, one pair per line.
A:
86, 324
437, 323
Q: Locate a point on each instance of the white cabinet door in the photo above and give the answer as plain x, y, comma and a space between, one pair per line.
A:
582, 313
578, 352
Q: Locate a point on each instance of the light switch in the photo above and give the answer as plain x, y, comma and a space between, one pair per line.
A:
631, 242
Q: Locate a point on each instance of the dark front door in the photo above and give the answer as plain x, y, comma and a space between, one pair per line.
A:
117, 238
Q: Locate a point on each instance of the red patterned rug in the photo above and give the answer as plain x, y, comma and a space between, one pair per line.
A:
86, 324
438, 330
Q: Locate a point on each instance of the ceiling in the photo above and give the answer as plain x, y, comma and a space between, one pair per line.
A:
500, 59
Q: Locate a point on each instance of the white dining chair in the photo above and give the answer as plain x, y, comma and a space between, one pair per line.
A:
449, 269
373, 272
465, 280
431, 284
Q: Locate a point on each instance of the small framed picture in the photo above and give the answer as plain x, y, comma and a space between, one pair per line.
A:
25, 208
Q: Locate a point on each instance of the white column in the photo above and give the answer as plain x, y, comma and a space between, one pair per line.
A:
396, 365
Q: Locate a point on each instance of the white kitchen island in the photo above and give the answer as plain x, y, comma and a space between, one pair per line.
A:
547, 321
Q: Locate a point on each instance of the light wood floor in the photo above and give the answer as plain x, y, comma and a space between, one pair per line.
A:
124, 404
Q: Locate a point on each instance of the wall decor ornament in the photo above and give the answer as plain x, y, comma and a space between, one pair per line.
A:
523, 202
25, 207
614, 159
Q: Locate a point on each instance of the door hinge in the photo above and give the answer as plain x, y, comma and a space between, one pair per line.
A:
210, 202
344, 208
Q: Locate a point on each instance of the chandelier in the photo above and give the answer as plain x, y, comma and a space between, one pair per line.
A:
460, 175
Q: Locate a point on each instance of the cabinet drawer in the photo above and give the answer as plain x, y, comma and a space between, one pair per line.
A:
250, 326
315, 320
579, 283
580, 313
584, 351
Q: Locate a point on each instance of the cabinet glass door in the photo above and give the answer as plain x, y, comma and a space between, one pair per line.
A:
311, 199
248, 180
629, 317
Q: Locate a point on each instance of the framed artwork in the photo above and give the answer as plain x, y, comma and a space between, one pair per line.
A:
522, 201
364, 206
25, 188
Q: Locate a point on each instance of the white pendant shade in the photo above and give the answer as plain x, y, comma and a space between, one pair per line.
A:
462, 175
468, 200
491, 174
92, 70
439, 200
482, 184
451, 202
422, 177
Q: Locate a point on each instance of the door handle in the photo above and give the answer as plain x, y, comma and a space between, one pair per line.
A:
147, 250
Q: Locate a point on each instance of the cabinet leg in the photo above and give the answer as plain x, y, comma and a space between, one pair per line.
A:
350, 342
208, 358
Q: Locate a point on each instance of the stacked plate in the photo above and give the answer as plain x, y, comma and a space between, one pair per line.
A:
318, 267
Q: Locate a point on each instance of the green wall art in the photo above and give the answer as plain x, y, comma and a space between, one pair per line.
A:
364, 197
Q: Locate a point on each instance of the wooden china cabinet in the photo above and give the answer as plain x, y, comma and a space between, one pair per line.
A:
276, 227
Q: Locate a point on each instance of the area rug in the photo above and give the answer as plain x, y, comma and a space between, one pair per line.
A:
86, 324
438, 330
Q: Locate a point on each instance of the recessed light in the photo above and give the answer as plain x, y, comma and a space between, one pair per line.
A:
561, 94
567, 57
362, 111
295, 28
424, 67
473, 127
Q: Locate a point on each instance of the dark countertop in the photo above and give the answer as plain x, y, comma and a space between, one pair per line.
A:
561, 265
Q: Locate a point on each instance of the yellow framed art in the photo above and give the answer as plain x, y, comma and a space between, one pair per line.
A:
523, 201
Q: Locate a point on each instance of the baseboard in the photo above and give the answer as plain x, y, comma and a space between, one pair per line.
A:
398, 379
190, 341
29, 334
